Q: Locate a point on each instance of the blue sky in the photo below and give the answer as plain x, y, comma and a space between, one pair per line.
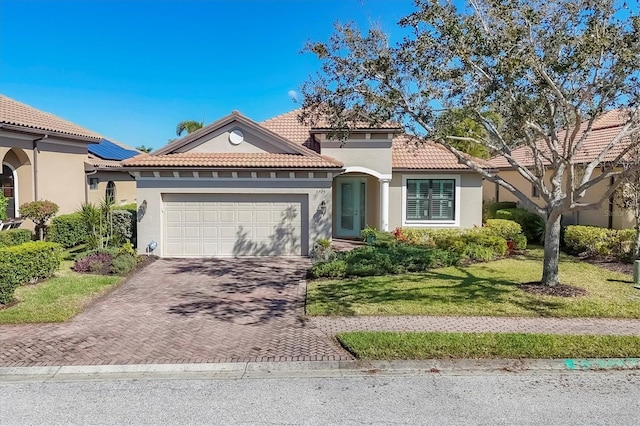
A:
131, 70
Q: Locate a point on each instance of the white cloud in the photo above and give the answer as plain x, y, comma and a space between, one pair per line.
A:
295, 96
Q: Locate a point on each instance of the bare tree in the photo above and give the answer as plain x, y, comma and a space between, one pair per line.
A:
549, 69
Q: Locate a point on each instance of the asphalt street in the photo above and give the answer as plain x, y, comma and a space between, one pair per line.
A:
529, 398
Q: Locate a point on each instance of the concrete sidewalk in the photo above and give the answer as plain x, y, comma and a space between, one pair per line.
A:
591, 326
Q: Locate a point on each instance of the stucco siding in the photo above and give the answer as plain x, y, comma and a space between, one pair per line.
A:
470, 198
218, 141
375, 156
125, 187
620, 218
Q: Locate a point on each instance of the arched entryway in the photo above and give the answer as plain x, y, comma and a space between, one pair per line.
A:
15, 180
8, 185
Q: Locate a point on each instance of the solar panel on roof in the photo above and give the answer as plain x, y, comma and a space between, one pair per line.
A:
110, 151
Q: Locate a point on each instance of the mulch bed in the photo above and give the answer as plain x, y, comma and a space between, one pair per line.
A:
611, 264
560, 290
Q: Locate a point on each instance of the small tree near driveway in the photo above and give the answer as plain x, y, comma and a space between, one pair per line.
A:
551, 71
39, 212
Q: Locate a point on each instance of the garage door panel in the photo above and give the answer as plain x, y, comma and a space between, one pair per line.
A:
233, 224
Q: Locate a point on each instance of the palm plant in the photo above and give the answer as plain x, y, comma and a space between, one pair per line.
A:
189, 126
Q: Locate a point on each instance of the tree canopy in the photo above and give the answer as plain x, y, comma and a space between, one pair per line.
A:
528, 73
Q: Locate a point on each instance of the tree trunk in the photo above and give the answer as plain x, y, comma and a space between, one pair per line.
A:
636, 246
551, 251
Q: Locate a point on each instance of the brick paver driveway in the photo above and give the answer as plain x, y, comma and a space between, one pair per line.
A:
178, 311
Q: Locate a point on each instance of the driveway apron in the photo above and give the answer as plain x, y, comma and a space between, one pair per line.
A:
184, 310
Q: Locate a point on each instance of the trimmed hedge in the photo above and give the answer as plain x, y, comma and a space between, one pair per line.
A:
371, 260
596, 241
532, 225
489, 209
15, 237
68, 230
26, 263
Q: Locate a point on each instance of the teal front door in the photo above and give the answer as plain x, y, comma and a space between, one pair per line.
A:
351, 206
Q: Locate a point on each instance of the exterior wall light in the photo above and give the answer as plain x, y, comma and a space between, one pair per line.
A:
322, 208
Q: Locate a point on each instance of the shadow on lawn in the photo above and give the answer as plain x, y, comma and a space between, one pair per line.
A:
469, 290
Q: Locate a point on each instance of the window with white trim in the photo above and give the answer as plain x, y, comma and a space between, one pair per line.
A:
93, 183
430, 199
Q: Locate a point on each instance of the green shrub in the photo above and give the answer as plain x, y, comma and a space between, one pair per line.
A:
122, 264
520, 241
68, 230
322, 251
506, 229
532, 225
589, 240
371, 260
26, 263
4, 202
15, 237
622, 244
333, 269
480, 253
122, 226
485, 238
489, 209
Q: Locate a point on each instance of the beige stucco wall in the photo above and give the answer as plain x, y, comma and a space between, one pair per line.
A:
375, 156
597, 217
218, 141
60, 164
150, 192
469, 205
125, 187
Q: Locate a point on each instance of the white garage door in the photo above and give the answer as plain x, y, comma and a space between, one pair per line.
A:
233, 225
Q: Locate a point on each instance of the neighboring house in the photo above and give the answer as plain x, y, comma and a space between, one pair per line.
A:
237, 187
105, 176
609, 215
43, 157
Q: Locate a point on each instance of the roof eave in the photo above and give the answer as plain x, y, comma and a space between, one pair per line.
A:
49, 133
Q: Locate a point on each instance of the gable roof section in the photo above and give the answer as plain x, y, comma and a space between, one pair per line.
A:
238, 117
406, 154
232, 160
604, 129
414, 154
14, 113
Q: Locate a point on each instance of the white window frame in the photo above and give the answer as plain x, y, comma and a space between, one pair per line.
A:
455, 223
16, 201
97, 183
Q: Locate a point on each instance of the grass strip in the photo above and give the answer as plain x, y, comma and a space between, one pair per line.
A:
57, 299
438, 345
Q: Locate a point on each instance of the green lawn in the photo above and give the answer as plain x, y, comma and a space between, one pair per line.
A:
429, 345
480, 289
57, 299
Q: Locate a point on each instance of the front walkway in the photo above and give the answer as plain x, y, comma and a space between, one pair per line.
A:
593, 326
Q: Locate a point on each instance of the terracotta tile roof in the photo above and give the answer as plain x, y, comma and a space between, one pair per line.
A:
406, 154
410, 153
289, 127
235, 160
603, 131
96, 162
19, 114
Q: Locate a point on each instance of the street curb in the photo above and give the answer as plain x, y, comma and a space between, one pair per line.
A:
312, 369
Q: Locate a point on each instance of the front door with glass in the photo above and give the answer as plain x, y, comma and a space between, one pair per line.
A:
351, 206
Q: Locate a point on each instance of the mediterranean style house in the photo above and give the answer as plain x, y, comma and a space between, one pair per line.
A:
609, 215
47, 157
238, 187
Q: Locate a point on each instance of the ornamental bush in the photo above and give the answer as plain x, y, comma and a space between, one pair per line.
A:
15, 237
98, 262
26, 263
39, 212
122, 264
122, 222
68, 230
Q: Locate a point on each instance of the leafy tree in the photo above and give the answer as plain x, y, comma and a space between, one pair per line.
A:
627, 197
4, 202
39, 212
144, 148
188, 126
542, 66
